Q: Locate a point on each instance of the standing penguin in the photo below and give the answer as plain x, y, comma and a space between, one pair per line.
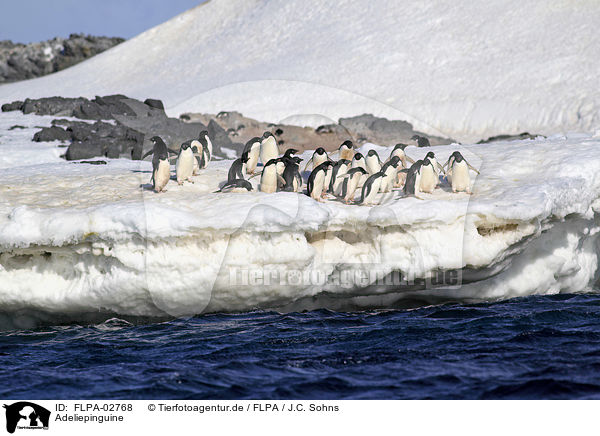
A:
359, 161
268, 148
316, 180
350, 183
390, 171
421, 141
437, 168
197, 158
371, 188
399, 151
373, 162
185, 164
252, 149
161, 169
458, 173
319, 156
207, 147
282, 162
413, 178
291, 174
429, 179
236, 170
346, 150
340, 168
269, 179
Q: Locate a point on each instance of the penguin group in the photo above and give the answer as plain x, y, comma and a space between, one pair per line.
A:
328, 178
341, 179
193, 156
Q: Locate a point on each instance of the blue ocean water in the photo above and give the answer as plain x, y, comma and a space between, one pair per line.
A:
536, 347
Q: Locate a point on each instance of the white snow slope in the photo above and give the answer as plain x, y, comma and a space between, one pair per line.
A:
78, 239
459, 68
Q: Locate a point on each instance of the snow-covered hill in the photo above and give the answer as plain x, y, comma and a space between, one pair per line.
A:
458, 68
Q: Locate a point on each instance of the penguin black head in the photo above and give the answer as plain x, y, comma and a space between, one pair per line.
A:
415, 137
430, 155
320, 151
203, 133
400, 146
426, 162
157, 140
297, 159
186, 145
394, 161
357, 156
372, 153
327, 163
267, 134
289, 152
457, 156
347, 143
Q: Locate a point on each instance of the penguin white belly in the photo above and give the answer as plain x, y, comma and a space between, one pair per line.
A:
209, 145
461, 180
268, 179
280, 168
252, 161
318, 159
185, 165
318, 184
268, 150
162, 175
428, 180
387, 182
370, 197
373, 166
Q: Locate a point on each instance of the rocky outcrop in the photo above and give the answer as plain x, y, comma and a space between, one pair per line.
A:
27, 61
123, 126
359, 129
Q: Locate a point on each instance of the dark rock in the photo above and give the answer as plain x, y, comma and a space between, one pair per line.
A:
14, 106
84, 150
218, 136
53, 133
156, 104
20, 61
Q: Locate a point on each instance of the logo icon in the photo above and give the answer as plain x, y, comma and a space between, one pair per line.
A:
26, 415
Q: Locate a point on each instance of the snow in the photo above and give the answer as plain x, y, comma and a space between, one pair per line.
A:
462, 69
78, 238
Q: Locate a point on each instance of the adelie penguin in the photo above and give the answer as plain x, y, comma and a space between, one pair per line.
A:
316, 181
399, 151
350, 183
269, 179
207, 148
319, 156
373, 162
340, 168
390, 171
421, 141
236, 170
429, 179
282, 162
268, 148
359, 161
291, 174
371, 188
413, 178
185, 164
252, 149
437, 168
346, 150
236, 185
458, 173
161, 168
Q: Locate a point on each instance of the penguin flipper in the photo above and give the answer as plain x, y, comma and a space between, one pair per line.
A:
307, 163
147, 154
474, 169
